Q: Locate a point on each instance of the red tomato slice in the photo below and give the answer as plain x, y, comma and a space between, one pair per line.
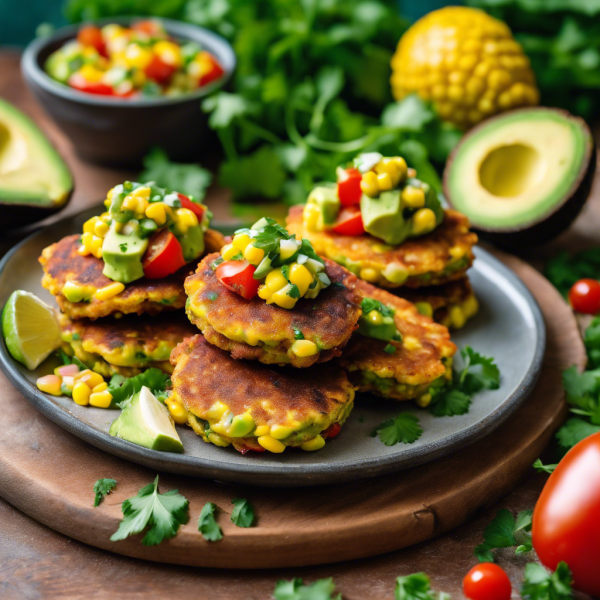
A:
148, 26
349, 222
197, 209
78, 82
584, 296
566, 518
90, 35
159, 71
487, 581
238, 276
214, 73
348, 187
332, 431
163, 256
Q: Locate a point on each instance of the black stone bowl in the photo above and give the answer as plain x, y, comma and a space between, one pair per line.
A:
120, 131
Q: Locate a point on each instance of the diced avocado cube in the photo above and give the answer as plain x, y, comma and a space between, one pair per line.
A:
122, 255
382, 217
325, 198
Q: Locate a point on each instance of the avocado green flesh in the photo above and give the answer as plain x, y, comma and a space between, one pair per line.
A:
192, 243
386, 331
388, 387
327, 201
514, 170
31, 170
122, 255
382, 217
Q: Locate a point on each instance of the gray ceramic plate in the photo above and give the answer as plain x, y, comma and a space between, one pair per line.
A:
508, 327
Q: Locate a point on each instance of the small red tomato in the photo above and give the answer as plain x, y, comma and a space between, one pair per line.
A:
584, 296
487, 581
159, 70
566, 518
349, 222
348, 186
197, 209
163, 256
215, 71
332, 431
238, 276
90, 35
78, 82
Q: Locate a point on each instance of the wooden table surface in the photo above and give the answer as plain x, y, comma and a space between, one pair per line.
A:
36, 562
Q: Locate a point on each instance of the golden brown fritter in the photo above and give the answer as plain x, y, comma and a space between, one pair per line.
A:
127, 345
281, 404
61, 263
441, 256
451, 304
253, 329
422, 358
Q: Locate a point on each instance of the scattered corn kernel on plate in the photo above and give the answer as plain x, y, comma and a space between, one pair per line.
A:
507, 312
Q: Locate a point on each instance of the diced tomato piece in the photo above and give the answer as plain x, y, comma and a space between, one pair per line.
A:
348, 188
349, 222
163, 256
332, 431
152, 28
159, 71
78, 82
90, 35
197, 209
215, 72
238, 276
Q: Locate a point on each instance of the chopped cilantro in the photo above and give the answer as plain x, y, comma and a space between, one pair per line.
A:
123, 247
285, 269
298, 334
322, 589
506, 531
369, 304
338, 284
212, 296
269, 236
416, 587
565, 270
103, 487
243, 513
70, 360
542, 468
238, 256
592, 343
215, 263
207, 524
140, 355
122, 389
163, 514
75, 337
404, 428
293, 292
390, 349
540, 584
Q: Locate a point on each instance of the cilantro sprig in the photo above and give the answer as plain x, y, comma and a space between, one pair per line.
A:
504, 532
405, 428
416, 586
102, 488
243, 513
122, 388
322, 589
207, 523
369, 304
540, 584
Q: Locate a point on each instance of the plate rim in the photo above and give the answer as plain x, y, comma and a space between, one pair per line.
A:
285, 474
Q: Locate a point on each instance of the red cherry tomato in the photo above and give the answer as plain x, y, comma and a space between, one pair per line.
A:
238, 276
566, 518
90, 35
78, 82
152, 28
159, 71
584, 296
214, 73
487, 581
349, 222
163, 256
348, 186
332, 431
197, 209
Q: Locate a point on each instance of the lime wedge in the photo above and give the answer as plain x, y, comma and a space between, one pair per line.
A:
146, 422
30, 328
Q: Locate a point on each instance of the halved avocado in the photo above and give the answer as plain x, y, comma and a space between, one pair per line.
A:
35, 182
522, 177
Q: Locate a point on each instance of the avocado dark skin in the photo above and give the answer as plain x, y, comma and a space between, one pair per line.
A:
13, 216
553, 222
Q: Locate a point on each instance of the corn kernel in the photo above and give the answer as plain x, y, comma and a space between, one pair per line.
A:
141, 206
282, 299
275, 280
136, 56
241, 240
91, 73
411, 343
424, 308
67, 370
369, 184
424, 400
271, 444
100, 387
253, 254
369, 274
168, 52
229, 251
83, 251
384, 181
86, 239
301, 277
156, 211
72, 292
177, 411
262, 430
100, 228
101, 399
303, 348
89, 377
130, 203
457, 317
423, 221
470, 306
109, 291
49, 384
216, 411
456, 252
315, 444
395, 273
186, 217
311, 218
96, 246
375, 317
413, 197
280, 432
264, 292
89, 225
241, 425
81, 393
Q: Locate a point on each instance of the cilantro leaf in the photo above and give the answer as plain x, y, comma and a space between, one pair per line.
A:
504, 532
540, 584
404, 428
243, 513
163, 514
565, 270
225, 108
450, 403
389, 349
410, 115
369, 304
293, 292
416, 587
542, 468
207, 524
189, 179
298, 334
575, 430
103, 487
322, 589
122, 389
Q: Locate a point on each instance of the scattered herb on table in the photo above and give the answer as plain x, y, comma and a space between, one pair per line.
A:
323, 589
540, 584
416, 587
243, 513
404, 428
540, 467
102, 488
163, 514
207, 524
122, 388
504, 532
564, 270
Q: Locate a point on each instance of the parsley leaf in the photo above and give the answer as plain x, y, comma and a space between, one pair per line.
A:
243, 513
207, 524
103, 487
122, 389
404, 428
450, 403
323, 589
163, 514
189, 179
540, 584
505, 531
575, 430
416, 587
542, 468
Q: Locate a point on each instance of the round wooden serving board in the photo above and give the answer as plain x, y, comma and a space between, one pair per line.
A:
49, 474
